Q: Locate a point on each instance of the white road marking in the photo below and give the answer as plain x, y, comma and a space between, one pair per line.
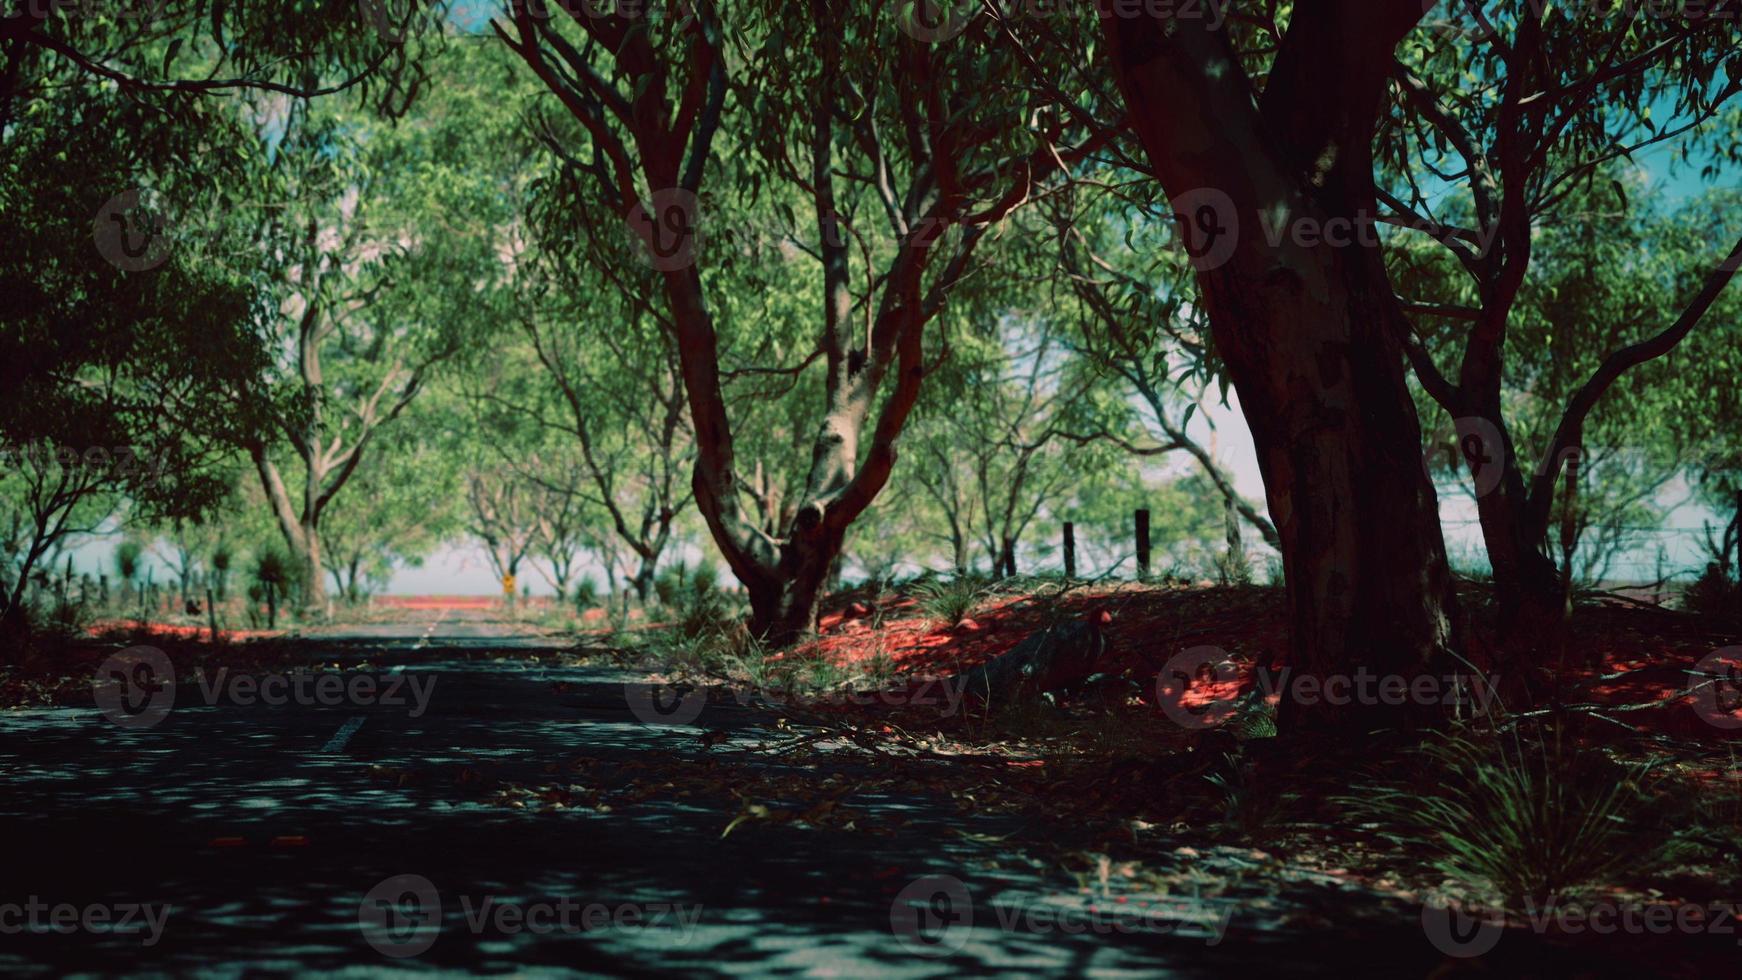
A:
349, 728
343, 735
424, 640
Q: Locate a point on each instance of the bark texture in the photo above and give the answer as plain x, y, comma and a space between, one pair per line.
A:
1273, 189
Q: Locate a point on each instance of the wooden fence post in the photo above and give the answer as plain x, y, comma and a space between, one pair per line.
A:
1070, 550
212, 613
1143, 545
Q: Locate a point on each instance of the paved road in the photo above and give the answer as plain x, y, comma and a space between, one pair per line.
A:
286, 838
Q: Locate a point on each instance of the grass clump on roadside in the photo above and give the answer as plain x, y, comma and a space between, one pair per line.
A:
1531, 816
949, 601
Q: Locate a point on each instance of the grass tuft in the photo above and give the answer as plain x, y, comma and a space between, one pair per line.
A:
950, 601
1531, 817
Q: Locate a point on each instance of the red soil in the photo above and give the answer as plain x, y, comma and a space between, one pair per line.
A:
1645, 655
197, 634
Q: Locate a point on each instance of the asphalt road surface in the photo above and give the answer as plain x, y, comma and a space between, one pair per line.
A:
332, 835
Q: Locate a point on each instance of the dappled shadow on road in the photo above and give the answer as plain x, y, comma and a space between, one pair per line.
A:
525, 786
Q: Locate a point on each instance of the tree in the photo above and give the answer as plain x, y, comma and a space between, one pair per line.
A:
401, 506
992, 434
1281, 210
386, 253
107, 102
1136, 324
559, 539
1309, 330
930, 140
180, 48
118, 351
127, 562
593, 373
179, 548
502, 514
1526, 120
1612, 258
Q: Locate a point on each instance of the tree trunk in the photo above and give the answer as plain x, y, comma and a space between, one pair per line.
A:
1527, 586
314, 588
1367, 579
1307, 326
14, 628
783, 607
301, 533
14, 622
642, 583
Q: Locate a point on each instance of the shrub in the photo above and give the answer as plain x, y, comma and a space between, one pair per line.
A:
221, 559
949, 601
276, 579
1251, 805
1231, 568
694, 602
127, 559
586, 594
272, 567
1527, 816
1714, 593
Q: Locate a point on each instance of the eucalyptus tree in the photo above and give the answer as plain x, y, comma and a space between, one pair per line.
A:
190, 48
904, 532
1307, 333
502, 514
561, 540
1612, 257
1128, 294
401, 505
590, 364
117, 347
997, 434
592, 481
132, 347
1282, 137
899, 154
1525, 120
203, 547
386, 239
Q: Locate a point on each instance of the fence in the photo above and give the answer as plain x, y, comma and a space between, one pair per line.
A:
1624, 557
